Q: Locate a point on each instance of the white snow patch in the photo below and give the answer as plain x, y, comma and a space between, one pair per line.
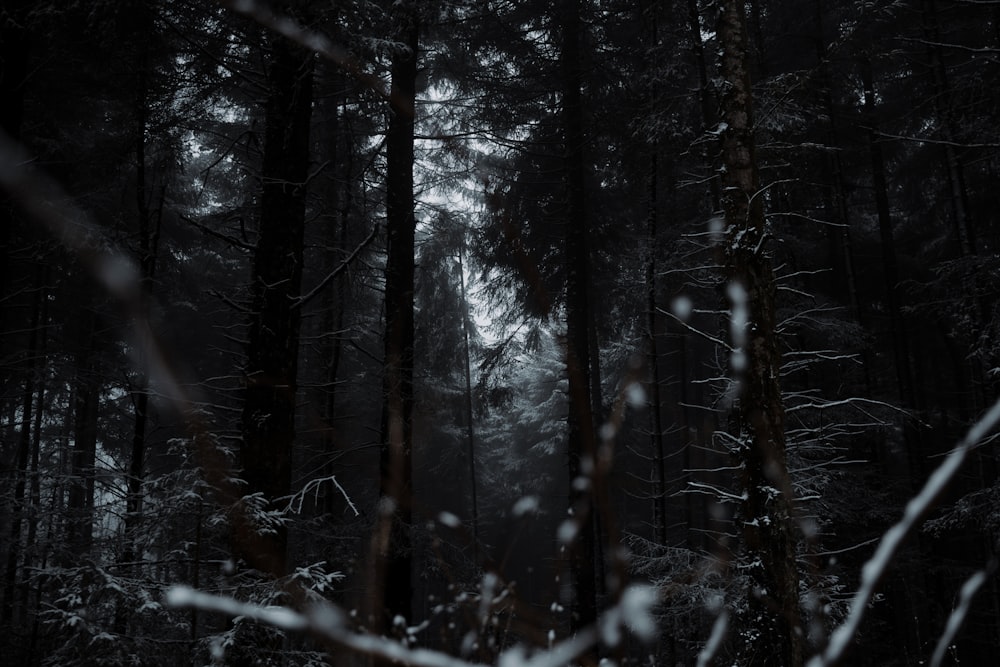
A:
682, 308
525, 505
635, 395
637, 611
567, 531
608, 431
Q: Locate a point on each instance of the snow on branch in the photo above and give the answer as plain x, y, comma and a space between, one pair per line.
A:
295, 502
876, 568
328, 622
958, 614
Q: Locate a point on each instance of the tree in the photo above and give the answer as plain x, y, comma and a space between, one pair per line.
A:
771, 630
268, 418
392, 587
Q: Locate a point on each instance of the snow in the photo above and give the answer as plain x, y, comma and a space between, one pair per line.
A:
635, 395
878, 565
608, 431
450, 520
637, 611
634, 612
682, 308
567, 531
328, 621
957, 616
279, 617
525, 505
739, 318
386, 506
714, 640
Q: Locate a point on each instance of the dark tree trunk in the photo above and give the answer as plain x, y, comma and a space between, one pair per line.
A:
772, 621
900, 341
268, 419
393, 591
965, 229
86, 396
148, 241
581, 436
470, 433
651, 14
704, 92
13, 79
835, 197
23, 454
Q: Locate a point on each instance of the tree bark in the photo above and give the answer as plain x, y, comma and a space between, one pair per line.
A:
469, 423
393, 576
580, 422
835, 197
704, 93
86, 397
268, 417
770, 631
890, 264
13, 78
23, 453
148, 241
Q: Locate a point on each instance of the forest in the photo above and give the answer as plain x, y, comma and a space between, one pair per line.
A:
454, 333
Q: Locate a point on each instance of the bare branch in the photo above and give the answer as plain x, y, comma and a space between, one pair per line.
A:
876, 568
306, 298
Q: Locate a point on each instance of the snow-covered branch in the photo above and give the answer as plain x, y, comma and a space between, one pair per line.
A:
876, 568
329, 623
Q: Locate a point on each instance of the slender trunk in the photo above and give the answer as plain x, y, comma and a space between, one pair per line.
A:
835, 197
469, 425
773, 616
148, 241
943, 106
656, 406
900, 342
333, 318
34, 507
909, 632
652, 292
14, 44
393, 577
23, 454
704, 92
581, 437
35, 487
196, 572
80, 500
268, 417
961, 213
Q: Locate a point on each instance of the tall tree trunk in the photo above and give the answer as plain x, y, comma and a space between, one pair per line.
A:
23, 454
580, 421
962, 219
333, 315
910, 594
469, 423
652, 333
835, 197
268, 417
393, 585
704, 92
148, 241
86, 397
650, 14
13, 78
772, 624
900, 341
